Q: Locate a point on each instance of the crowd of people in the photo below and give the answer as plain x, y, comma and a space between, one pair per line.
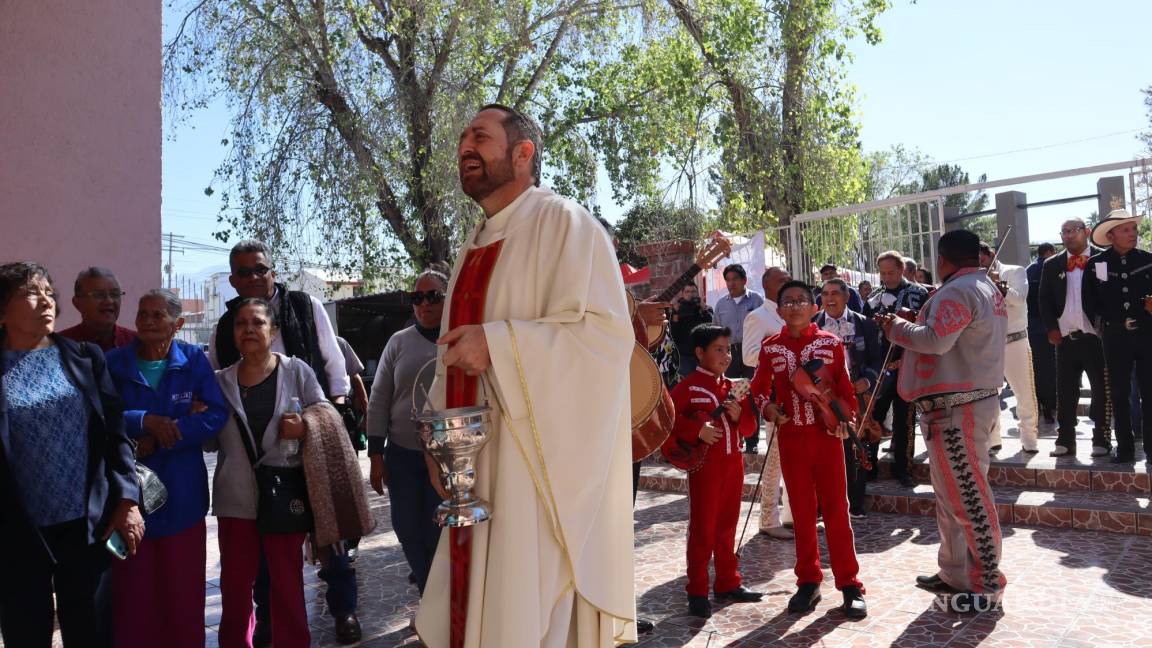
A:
94, 419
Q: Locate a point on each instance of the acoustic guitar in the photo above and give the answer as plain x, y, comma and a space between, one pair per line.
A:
689, 456
652, 409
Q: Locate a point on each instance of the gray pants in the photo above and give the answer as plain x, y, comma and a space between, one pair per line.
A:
970, 545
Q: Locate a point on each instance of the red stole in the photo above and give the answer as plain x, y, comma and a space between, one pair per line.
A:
468, 298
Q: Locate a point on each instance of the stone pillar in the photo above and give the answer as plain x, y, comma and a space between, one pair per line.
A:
667, 260
1109, 195
1011, 210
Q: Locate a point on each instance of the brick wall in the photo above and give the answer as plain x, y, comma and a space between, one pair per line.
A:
667, 260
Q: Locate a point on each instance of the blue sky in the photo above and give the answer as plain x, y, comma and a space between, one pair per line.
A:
1003, 87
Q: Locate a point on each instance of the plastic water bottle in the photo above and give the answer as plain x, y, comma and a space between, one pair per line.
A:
291, 447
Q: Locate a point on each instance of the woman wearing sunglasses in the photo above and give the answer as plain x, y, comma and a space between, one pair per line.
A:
393, 446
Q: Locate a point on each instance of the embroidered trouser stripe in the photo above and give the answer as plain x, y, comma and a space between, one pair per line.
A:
970, 541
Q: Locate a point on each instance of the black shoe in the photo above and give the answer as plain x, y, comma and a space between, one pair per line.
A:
854, 606
644, 626
347, 629
994, 449
740, 595
1124, 457
262, 634
934, 583
805, 598
1063, 449
906, 481
699, 606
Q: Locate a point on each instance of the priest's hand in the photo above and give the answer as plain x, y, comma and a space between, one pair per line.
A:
467, 349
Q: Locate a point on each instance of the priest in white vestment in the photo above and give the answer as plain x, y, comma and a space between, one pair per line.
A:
553, 567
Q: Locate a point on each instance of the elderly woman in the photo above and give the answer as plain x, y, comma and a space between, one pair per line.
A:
393, 447
260, 389
172, 405
68, 478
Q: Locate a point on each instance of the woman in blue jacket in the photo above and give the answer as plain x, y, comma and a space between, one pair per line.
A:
172, 404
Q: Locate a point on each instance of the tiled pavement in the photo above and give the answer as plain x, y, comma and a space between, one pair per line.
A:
1068, 588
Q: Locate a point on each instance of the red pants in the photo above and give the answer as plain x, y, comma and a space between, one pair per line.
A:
158, 594
813, 464
714, 510
240, 546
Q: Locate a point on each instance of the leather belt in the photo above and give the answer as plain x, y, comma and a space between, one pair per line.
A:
1018, 335
948, 401
1077, 335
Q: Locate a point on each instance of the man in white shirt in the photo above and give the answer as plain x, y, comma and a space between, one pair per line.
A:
762, 323
1078, 347
1017, 352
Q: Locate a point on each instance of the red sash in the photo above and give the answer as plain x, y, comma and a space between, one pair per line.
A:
468, 298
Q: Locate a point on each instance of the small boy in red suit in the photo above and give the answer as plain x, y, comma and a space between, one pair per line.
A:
811, 453
707, 420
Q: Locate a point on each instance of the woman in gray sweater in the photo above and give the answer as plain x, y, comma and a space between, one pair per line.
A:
393, 447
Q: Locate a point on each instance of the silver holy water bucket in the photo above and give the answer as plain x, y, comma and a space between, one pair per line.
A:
453, 438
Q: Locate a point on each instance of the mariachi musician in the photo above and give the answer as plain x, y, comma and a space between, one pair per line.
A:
954, 375
811, 452
865, 359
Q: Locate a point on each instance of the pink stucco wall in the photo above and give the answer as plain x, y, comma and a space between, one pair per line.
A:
80, 140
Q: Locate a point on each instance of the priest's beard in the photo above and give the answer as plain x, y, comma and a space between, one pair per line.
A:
489, 178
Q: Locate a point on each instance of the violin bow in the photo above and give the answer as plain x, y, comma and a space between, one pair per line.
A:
996, 254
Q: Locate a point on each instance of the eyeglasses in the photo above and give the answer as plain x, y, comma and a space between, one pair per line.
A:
431, 296
101, 295
1070, 232
802, 303
36, 293
260, 271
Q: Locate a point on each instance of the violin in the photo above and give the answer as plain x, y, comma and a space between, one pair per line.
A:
813, 381
868, 426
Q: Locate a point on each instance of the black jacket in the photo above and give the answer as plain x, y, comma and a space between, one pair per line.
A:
1118, 303
111, 460
1054, 288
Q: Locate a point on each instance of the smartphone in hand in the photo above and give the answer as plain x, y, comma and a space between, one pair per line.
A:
115, 546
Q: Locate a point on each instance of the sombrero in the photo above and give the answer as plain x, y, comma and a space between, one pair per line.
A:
1115, 218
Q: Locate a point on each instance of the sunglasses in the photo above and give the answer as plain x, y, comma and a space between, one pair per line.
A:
431, 296
259, 271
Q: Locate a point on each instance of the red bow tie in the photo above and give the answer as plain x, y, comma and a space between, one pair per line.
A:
1077, 262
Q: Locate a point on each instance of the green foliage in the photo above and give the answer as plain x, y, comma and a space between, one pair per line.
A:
345, 113
651, 221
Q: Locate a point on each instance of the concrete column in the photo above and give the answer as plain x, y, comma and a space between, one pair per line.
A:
1011, 211
80, 141
1109, 194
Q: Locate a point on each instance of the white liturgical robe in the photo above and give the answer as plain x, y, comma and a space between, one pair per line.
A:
553, 568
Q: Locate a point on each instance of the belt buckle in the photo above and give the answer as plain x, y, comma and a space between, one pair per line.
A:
1130, 324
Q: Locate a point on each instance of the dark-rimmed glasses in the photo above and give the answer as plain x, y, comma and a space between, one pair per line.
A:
101, 295
431, 296
260, 271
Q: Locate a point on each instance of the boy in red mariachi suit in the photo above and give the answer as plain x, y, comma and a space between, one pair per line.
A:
811, 455
714, 489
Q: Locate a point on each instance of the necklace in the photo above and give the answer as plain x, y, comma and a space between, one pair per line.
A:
265, 371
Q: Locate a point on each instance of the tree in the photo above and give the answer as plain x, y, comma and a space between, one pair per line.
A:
652, 221
344, 113
785, 128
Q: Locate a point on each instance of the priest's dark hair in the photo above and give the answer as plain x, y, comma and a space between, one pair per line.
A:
794, 283
705, 334
961, 248
519, 127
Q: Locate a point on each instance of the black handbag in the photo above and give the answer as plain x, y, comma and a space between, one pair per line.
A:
282, 503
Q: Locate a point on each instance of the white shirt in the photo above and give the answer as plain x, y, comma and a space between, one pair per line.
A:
759, 325
1073, 319
842, 328
1017, 298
